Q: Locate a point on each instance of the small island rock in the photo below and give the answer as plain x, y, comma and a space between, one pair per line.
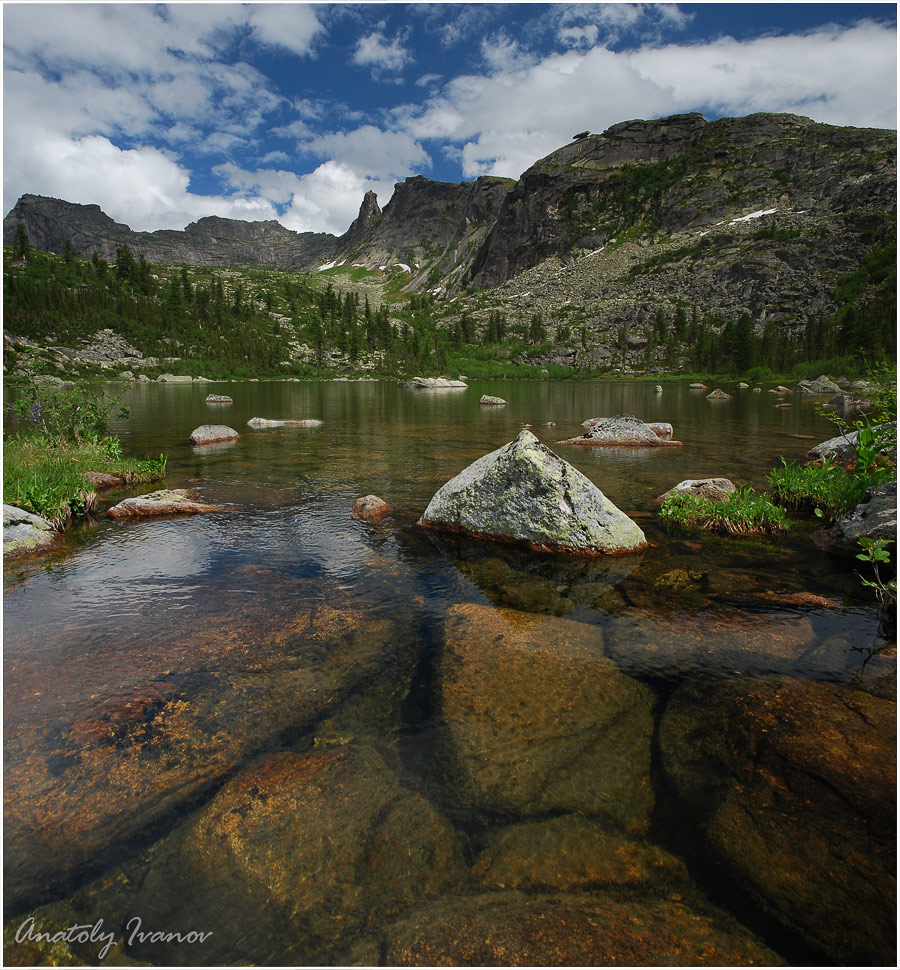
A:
523, 492
821, 385
438, 382
166, 501
287, 423
718, 395
174, 379
623, 430
206, 434
24, 532
369, 508
490, 399
218, 399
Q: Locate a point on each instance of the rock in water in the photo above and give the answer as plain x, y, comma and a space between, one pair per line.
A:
718, 395
24, 532
625, 430
284, 423
206, 434
369, 508
438, 382
714, 489
218, 399
167, 501
523, 492
490, 399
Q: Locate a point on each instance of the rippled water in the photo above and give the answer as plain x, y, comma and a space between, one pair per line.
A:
148, 663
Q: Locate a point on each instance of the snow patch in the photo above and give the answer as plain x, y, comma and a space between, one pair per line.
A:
325, 266
753, 215
404, 267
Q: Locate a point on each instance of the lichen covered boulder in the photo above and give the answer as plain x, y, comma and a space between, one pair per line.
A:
821, 385
207, 434
490, 399
624, 430
718, 395
523, 492
24, 532
874, 518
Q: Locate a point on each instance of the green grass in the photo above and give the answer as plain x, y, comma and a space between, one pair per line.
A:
47, 479
746, 514
826, 490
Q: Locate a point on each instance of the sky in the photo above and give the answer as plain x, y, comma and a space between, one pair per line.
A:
165, 113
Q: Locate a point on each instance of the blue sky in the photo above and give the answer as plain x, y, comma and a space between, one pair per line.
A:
164, 113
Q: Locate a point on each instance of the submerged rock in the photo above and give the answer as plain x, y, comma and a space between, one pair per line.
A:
166, 501
369, 508
624, 429
523, 492
793, 784
697, 386
533, 719
287, 423
208, 434
714, 489
489, 399
571, 852
121, 759
294, 854
661, 428
584, 930
24, 532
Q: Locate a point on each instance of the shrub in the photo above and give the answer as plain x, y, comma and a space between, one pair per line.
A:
74, 414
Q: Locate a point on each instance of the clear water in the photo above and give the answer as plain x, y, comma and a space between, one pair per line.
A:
102, 639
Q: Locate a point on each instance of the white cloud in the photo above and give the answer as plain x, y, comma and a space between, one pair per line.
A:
372, 152
504, 120
292, 26
377, 51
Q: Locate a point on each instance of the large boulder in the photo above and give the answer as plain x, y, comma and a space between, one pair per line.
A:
793, 788
24, 532
218, 399
842, 449
874, 518
436, 382
523, 492
533, 719
165, 501
622, 430
718, 395
175, 379
490, 399
293, 855
821, 385
584, 930
208, 434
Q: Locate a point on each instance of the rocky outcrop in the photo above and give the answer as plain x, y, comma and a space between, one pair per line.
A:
623, 430
208, 434
874, 518
517, 696
714, 489
525, 493
369, 508
24, 532
793, 785
167, 501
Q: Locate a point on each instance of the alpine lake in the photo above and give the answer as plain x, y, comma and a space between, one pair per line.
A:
276, 735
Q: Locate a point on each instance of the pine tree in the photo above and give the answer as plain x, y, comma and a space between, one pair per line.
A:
23, 247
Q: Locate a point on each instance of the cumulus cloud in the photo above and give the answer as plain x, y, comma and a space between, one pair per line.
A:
381, 53
844, 76
372, 151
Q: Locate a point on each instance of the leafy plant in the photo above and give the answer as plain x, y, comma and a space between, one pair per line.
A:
874, 552
747, 513
66, 414
827, 491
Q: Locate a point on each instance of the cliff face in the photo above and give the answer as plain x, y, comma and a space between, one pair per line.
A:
757, 214
642, 179
208, 242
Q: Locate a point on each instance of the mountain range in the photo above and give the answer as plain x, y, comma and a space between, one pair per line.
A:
760, 214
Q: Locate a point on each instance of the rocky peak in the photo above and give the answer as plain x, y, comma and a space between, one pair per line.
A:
369, 213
